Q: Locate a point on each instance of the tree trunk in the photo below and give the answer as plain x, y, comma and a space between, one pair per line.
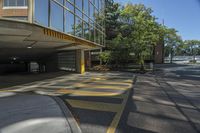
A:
171, 57
142, 69
141, 61
194, 56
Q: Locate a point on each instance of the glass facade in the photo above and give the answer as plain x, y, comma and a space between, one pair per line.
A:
81, 18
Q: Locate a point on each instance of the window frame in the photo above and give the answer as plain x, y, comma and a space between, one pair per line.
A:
16, 6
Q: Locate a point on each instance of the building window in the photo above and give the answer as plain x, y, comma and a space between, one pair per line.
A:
41, 12
15, 3
57, 16
80, 18
69, 24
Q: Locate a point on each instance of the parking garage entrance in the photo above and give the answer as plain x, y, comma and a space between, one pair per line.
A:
31, 48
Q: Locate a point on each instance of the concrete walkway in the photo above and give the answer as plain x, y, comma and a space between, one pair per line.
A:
26, 113
160, 105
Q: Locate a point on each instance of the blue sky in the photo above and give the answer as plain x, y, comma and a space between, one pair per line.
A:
183, 15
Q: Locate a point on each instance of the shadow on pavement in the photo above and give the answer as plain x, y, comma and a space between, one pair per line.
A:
25, 113
150, 109
10, 80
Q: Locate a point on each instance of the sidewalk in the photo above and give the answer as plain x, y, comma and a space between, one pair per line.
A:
155, 106
26, 113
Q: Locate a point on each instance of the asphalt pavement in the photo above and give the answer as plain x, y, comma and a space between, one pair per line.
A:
30, 113
166, 101
96, 100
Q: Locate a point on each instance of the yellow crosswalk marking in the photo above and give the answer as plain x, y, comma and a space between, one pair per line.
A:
111, 83
98, 106
103, 87
114, 123
92, 93
8, 91
98, 78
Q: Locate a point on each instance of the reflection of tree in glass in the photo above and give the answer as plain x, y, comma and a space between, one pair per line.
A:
78, 27
86, 31
91, 33
99, 19
72, 29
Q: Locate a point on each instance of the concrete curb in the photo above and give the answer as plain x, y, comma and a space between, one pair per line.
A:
69, 117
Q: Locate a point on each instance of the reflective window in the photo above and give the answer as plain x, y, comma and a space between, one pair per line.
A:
86, 30
100, 5
86, 7
79, 13
72, 1
79, 4
97, 4
82, 18
91, 33
70, 6
14, 3
97, 36
78, 27
91, 11
41, 12
86, 18
60, 1
56, 16
69, 26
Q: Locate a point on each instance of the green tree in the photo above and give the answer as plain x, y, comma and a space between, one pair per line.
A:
141, 31
105, 57
192, 47
172, 42
133, 29
111, 19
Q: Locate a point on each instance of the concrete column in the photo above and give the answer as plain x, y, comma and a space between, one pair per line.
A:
80, 61
30, 10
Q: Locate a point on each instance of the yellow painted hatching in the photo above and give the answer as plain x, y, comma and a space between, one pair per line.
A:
115, 121
91, 93
100, 106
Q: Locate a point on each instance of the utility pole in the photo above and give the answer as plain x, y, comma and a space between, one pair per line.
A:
163, 50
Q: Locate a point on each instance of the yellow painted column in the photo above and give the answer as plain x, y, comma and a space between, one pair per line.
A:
80, 61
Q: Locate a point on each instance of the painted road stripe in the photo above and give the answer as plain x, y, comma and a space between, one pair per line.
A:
8, 91
97, 106
91, 93
124, 80
115, 122
104, 87
109, 83
86, 88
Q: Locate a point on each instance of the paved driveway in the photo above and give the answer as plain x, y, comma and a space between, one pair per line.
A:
97, 100
167, 102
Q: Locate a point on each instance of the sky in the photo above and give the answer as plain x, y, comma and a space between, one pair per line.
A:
183, 15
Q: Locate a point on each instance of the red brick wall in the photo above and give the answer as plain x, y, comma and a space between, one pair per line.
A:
159, 53
12, 12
